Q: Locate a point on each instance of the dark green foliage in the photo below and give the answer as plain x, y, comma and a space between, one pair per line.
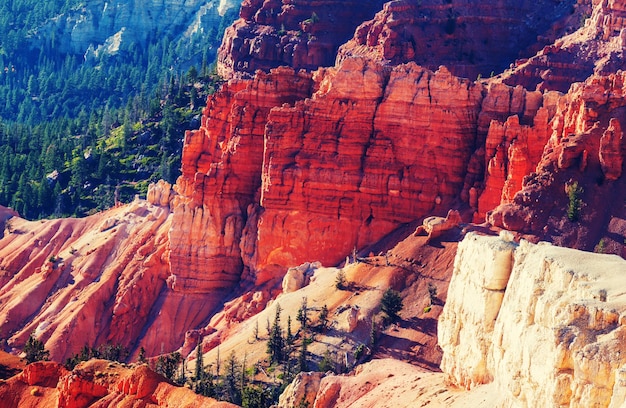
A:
391, 304
234, 381
340, 280
257, 396
323, 318
276, 342
35, 350
141, 359
168, 364
574, 191
76, 135
359, 352
327, 363
106, 351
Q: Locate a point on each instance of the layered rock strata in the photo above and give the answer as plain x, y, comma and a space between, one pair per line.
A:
544, 323
344, 155
221, 177
595, 47
104, 279
97, 383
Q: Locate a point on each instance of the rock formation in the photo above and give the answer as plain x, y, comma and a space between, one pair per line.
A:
454, 33
303, 34
97, 383
594, 47
542, 322
91, 281
292, 166
586, 147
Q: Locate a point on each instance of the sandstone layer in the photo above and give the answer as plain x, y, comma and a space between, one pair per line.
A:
585, 152
543, 323
104, 279
344, 155
596, 46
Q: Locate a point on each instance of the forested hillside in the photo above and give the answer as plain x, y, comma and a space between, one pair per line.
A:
78, 133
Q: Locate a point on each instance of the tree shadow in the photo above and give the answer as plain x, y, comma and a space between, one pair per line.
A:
426, 326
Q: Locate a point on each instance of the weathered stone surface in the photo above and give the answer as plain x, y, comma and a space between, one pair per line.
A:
470, 38
360, 163
221, 177
85, 281
586, 147
98, 383
595, 46
544, 325
303, 388
481, 273
276, 33
611, 154
435, 227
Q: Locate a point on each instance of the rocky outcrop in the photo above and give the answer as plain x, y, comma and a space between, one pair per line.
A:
106, 27
97, 383
596, 46
586, 147
303, 34
543, 323
470, 38
347, 154
221, 177
362, 159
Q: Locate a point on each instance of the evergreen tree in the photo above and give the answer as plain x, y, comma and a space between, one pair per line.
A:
35, 350
276, 342
391, 304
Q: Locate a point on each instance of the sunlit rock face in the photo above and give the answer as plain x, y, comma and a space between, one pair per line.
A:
543, 323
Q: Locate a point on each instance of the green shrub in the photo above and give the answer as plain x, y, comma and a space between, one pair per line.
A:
574, 192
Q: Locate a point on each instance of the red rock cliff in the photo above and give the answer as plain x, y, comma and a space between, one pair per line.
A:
313, 165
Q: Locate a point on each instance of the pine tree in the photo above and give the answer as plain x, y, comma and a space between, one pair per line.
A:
391, 304
276, 342
35, 350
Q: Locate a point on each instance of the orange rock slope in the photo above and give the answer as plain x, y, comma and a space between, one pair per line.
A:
91, 281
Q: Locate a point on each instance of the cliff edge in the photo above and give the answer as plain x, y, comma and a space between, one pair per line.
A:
545, 324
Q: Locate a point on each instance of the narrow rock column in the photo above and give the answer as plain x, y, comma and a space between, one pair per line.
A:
481, 271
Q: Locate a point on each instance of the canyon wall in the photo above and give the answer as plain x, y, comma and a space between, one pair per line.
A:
544, 323
586, 149
292, 167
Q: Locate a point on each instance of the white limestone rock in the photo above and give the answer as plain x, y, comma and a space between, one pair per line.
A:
559, 336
